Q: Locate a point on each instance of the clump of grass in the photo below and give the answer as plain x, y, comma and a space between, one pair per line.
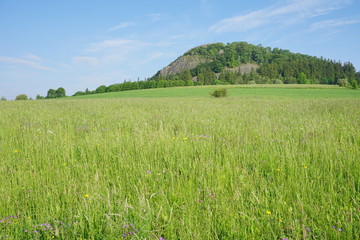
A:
222, 92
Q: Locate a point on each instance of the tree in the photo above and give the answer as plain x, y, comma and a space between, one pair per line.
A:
38, 97
343, 82
51, 93
21, 97
101, 89
3, 99
302, 78
354, 84
60, 92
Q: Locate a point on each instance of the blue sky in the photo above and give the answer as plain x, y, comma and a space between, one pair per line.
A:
82, 44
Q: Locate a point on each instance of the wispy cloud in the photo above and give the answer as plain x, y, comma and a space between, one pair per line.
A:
121, 26
333, 23
32, 57
86, 60
119, 44
26, 63
293, 11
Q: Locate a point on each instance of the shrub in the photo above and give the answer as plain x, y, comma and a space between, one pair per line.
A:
354, 84
278, 81
343, 82
222, 92
21, 97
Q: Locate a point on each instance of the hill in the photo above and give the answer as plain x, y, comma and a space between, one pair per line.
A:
242, 63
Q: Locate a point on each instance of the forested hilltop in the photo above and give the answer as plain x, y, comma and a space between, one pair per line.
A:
243, 63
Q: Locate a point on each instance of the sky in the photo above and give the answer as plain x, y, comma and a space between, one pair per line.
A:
79, 44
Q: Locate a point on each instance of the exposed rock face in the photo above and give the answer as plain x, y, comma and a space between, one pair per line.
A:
182, 63
244, 68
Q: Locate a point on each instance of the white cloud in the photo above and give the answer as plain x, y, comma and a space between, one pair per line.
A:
86, 60
293, 12
332, 23
26, 63
32, 57
119, 44
121, 26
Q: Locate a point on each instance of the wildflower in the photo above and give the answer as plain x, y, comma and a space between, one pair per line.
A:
340, 229
280, 220
204, 136
86, 195
185, 138
16, 151
305, 166
279, 170
268, 212
308, 229
64, 164
333, 226
148, 171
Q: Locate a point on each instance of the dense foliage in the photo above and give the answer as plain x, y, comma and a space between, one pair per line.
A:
222, 66
60, 92
22, 97
222, 92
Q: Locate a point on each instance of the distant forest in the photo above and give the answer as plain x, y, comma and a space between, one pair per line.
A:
221, 61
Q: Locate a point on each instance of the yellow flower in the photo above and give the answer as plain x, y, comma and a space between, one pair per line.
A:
16, 151
280, 219
305, 166
185, 139
279, 169
268, 212
86, 195
64, 164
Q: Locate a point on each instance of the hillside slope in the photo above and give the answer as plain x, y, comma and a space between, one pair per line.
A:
242, 63
228, 63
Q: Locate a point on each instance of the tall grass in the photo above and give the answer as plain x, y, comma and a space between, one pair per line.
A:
185, 168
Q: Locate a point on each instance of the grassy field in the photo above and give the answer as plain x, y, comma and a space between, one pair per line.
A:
257, 91
263, 163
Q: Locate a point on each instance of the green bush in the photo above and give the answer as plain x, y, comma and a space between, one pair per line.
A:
222, 92
22, 97
354, 84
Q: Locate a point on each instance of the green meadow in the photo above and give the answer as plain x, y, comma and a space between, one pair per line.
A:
263, 163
